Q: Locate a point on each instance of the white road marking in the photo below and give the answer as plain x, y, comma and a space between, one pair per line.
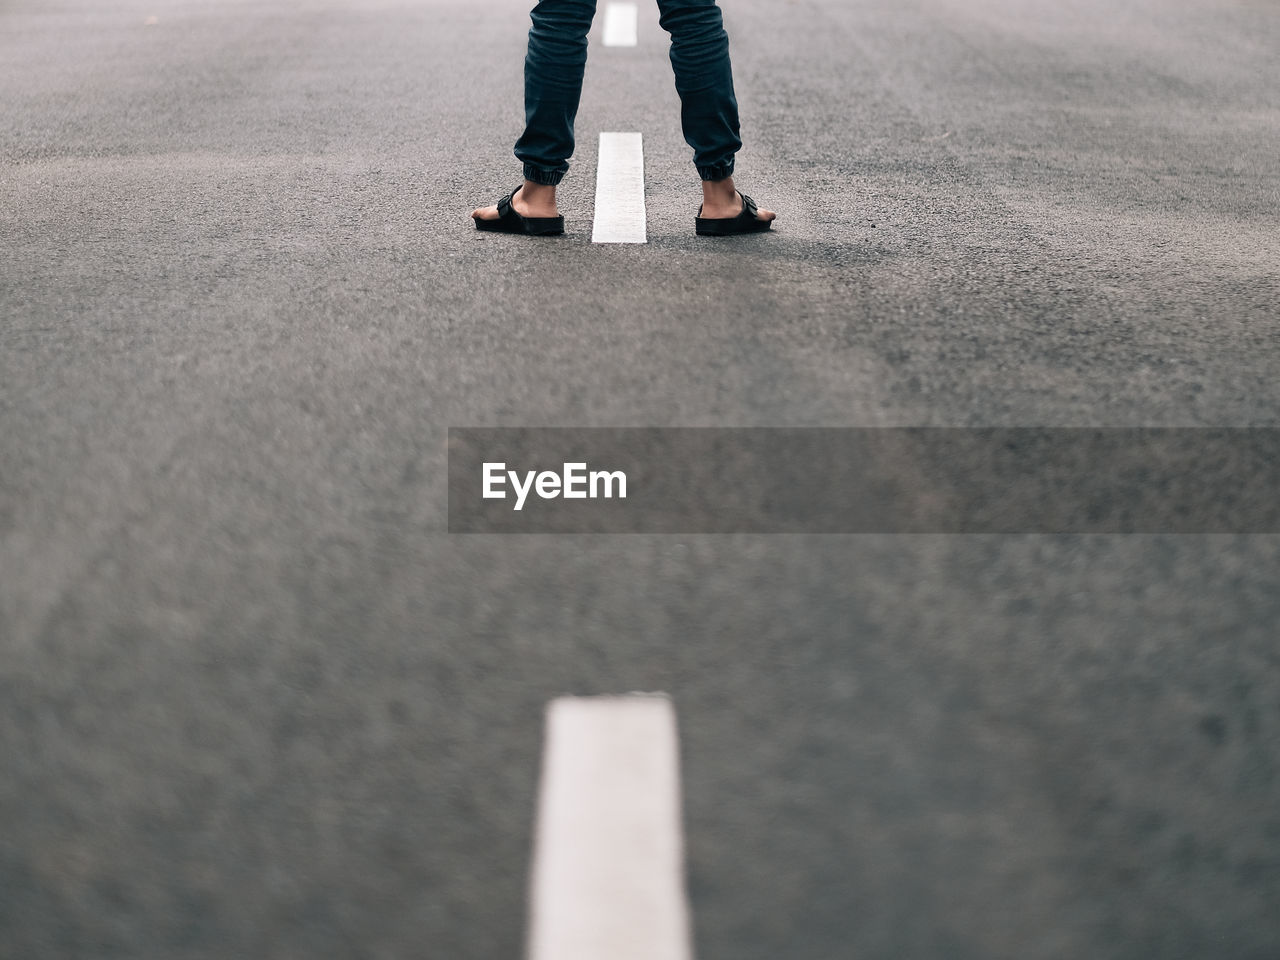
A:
620, 25
608, 862
620, 214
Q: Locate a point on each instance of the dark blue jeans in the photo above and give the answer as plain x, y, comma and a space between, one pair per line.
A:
553, 85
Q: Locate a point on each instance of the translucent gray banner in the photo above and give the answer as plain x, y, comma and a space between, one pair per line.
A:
864, 480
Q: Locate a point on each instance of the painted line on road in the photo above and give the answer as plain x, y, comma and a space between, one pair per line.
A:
608, 860
620, 25
620, 216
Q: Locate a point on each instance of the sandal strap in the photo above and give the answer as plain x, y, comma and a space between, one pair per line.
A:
749, 207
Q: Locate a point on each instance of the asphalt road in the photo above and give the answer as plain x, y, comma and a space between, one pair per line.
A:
256, 702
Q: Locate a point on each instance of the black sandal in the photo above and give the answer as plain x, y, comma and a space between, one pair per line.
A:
509, 221
745, 222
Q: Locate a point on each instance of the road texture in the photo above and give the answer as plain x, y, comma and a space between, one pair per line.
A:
256, 702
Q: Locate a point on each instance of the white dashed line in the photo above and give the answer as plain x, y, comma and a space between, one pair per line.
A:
620, 214
620, 25
608, 862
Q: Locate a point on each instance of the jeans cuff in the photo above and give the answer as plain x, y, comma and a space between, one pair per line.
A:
549, 178
717, 171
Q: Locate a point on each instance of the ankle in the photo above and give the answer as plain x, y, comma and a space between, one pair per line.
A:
719, 192
542, 194
535, 200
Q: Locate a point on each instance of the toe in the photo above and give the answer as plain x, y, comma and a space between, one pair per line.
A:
485, 213
761, 212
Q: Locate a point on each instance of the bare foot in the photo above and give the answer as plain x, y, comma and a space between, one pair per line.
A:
531, 200
721, 201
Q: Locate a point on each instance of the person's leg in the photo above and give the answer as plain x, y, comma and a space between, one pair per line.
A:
704, 81
708, 105
553, 71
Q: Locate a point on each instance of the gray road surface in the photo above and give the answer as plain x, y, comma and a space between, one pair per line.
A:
255, 702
